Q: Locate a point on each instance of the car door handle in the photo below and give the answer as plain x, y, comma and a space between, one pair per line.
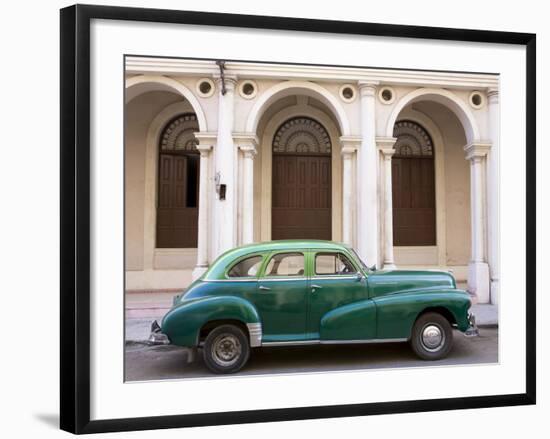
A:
264, 288
314, 287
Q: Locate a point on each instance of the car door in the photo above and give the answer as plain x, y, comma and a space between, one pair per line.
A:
281, 297
335, 282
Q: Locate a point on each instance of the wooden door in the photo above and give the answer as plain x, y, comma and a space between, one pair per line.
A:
177, 210
301, 197
413, 192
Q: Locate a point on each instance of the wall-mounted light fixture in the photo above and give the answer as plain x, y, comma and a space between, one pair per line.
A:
222, 191
220, 188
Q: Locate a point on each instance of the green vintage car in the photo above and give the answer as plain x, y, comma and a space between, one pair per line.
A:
302, 292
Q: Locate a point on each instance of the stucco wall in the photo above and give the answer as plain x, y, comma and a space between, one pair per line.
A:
457, 182
143, 114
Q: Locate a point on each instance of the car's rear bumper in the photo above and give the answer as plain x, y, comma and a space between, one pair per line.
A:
157, 337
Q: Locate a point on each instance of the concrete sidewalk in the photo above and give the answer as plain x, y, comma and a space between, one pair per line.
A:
139, 319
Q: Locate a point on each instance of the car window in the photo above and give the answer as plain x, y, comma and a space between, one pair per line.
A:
332, 264
286, 264
246, 268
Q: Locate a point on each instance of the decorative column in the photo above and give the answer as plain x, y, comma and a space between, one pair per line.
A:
206, 144
367, 194
349, 147
247, 143
225, 157
493, 196
385, 145
478, 269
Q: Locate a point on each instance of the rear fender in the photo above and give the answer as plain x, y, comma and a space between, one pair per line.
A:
182, 323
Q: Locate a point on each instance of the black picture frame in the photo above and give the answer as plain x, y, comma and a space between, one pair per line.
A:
75, 217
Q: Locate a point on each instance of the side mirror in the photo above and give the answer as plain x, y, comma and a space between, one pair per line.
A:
358, 277
373, 268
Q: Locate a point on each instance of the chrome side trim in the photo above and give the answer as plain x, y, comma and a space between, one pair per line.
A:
255, 279
255, 332
315, 342
290, 343
374, 340
336, 277
248, 279
274, 279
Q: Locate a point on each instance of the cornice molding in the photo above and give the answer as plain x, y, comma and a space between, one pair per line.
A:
183, 67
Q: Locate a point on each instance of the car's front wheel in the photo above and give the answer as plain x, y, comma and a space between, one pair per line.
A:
226, 349
432, 336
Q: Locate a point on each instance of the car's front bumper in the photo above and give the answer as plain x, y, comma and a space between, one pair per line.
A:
472, 330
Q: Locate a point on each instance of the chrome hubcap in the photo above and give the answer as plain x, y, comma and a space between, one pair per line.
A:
226, 350
433, 337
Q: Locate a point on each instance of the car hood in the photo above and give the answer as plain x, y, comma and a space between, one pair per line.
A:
383, 282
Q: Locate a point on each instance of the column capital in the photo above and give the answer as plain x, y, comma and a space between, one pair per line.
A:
247, 143
244, 140
248, 152
349, 145
368, 87
493, 95
477, 150
385, 146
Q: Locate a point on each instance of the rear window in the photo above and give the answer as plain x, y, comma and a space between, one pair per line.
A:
246, 268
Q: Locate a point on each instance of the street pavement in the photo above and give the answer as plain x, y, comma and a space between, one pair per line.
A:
145, 362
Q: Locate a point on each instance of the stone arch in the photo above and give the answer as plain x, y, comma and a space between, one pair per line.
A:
151, 167
306, 88
439, 149
441, 96
145, 83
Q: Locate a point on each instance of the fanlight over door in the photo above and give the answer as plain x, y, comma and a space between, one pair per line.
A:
178, 184
413, 186
301, 186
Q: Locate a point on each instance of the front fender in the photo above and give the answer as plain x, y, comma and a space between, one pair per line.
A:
397, 312
182, 323
354, 321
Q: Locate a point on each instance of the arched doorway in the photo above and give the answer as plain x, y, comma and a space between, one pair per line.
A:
178, 184
413, 186
301, 181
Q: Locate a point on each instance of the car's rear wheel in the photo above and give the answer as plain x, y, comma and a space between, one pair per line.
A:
226, 349
432, 336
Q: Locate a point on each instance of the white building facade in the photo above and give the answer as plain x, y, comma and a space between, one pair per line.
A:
402, 165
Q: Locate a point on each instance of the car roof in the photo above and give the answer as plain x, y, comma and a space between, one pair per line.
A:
217, 269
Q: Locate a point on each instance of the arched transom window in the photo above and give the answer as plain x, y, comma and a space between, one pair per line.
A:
179, 135
412, 140
301, 135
